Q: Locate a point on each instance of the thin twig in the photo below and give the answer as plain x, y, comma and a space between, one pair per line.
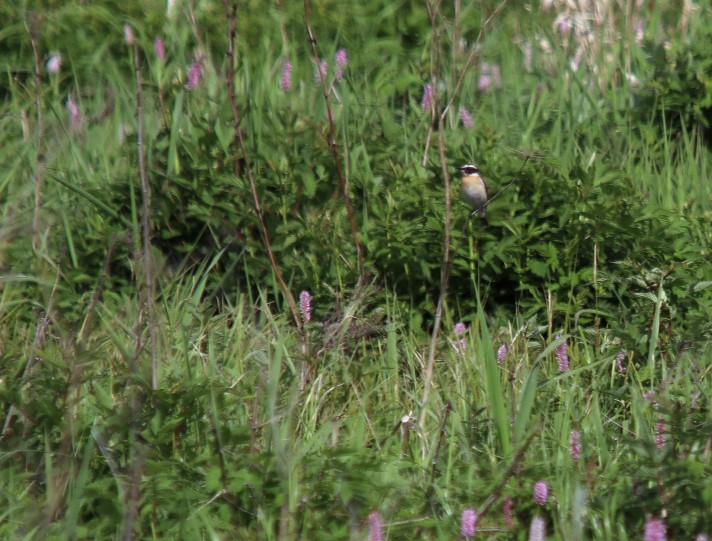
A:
332, 143
148, 292
231, 10
445, 276
132, 492
39, 160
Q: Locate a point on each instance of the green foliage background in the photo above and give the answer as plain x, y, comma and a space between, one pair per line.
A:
602, 235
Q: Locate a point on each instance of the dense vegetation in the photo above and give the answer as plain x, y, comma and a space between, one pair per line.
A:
241, 299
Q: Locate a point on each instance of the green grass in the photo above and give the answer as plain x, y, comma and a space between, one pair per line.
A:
600, 240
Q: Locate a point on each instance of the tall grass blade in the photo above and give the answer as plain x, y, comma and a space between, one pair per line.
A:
495, 393
526, 403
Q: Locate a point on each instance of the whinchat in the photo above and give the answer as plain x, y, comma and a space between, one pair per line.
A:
474, 190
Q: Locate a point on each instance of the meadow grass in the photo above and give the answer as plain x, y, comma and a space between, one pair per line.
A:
159, 380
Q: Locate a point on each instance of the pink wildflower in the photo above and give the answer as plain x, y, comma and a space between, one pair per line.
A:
489, 77
660, 434
285, 81
501, 354
159, 48
305, 305
575, 444
619, 362
195, 73
321, 70
341, 59
375, 527
469, 523
74, 113
508, 512
466, 118
54, 63
484, 82
541, 492
562, 355
564, 25
537, 530
427, 97
655, 530
460, 344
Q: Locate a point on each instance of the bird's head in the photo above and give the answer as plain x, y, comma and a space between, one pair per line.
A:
469, 169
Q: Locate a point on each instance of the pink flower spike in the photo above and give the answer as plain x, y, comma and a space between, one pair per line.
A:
655, 530
460, 328
285, 81
501, 354
74, 114
619, 362
484, 82
427, 97
564, 26
660, 434
541, 492
341, 58
195, 73
54, 63
460, 346
562, 355
469, 523
575, 444
537, 529
466, 117
508, 512
321, 71
159, 48
305, 305
375, 527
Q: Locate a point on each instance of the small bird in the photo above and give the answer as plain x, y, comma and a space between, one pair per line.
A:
474, 190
